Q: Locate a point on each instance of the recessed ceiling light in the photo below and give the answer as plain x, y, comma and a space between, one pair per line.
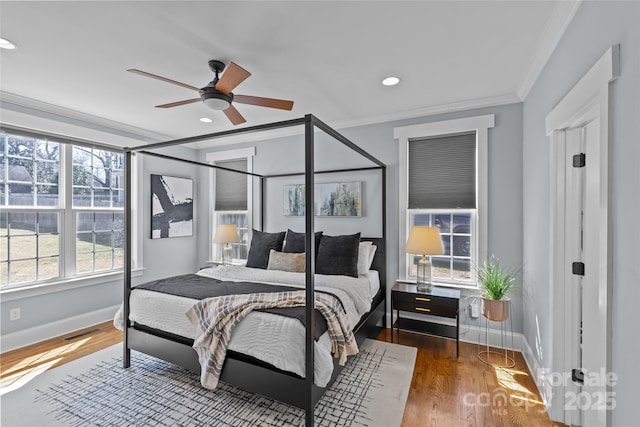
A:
6, 44
205, 120
390, 81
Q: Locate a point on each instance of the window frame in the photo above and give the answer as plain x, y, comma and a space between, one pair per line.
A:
68, 278
216, 156
481, 126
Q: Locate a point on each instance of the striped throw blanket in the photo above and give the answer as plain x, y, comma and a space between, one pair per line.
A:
215, 318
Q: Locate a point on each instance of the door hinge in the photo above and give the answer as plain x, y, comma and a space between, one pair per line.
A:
579, 160
577, 376
577, 268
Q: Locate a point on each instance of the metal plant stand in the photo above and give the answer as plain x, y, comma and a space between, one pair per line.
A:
503, 357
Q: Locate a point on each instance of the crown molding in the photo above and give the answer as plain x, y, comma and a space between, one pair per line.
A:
43, 110
135, 135
492, 101
471, 104
561, 16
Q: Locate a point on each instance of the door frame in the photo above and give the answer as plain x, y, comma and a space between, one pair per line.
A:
587, 101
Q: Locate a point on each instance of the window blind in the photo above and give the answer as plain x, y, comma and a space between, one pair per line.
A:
231, 187
442, 172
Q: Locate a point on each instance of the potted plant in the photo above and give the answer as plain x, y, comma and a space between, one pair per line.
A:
496, 281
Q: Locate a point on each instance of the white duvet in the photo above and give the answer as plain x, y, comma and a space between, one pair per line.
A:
274, 339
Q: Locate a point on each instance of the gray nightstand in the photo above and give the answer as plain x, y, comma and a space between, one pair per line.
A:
441, 302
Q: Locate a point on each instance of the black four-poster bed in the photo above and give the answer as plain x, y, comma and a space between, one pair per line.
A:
238, 370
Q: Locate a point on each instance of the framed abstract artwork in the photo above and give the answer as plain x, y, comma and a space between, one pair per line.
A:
331, 199
171, 206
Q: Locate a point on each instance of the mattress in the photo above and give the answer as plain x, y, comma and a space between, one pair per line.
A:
274, 339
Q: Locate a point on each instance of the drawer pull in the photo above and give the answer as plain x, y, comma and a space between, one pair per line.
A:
423, 309
423, 299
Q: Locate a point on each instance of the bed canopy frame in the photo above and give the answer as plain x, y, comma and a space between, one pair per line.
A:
253, 375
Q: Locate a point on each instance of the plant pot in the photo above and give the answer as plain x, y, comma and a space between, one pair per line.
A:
498, 311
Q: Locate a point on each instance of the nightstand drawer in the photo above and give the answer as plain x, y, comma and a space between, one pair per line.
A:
425, 304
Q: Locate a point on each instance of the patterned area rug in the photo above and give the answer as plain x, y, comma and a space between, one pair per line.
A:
95, 391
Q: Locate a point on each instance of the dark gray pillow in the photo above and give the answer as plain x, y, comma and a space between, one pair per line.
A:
338, 255
261, 245
294, 242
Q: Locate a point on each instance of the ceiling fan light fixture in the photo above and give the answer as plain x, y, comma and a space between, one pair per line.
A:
217, 100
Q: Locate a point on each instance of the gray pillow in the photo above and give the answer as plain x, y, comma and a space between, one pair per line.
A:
261, 245
294, 242
338, 255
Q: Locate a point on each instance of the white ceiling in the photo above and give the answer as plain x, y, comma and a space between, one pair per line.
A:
329, 57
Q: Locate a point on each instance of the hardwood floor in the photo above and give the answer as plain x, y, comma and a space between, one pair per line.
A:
445, 391
19, 365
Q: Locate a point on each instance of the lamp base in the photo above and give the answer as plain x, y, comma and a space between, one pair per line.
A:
424, 287
227, 254
423, 276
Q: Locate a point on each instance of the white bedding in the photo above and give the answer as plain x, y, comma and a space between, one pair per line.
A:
274, 339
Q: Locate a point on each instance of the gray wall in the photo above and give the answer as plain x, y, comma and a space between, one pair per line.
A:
596, 26
505, 183
369, 224
51, 307
176, 255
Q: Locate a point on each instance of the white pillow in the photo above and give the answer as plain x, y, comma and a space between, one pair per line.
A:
372, 253
365, 257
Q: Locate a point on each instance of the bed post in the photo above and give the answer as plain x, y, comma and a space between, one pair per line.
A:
126, 352
262, 186
384, 239
310, 249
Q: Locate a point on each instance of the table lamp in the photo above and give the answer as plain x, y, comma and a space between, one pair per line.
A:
226, 233
424, 241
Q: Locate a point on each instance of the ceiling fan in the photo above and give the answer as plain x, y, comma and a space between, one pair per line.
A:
217, 94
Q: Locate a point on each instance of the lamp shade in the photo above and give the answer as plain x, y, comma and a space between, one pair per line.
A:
226, 233
424, 241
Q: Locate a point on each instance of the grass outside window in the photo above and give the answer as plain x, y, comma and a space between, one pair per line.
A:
37, 256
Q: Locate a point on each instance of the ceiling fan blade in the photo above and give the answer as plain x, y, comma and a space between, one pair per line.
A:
164, 79
234, 115
232, 77
263, 102
176, 104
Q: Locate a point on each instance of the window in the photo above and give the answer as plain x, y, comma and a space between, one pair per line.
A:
98, 201
41, 198
443, 169
442, 193
231, 201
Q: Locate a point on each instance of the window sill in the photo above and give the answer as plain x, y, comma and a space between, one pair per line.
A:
470, 287
234, 262
63, 285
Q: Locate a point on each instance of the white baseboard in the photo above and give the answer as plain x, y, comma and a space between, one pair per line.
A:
496, 338
36, 334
